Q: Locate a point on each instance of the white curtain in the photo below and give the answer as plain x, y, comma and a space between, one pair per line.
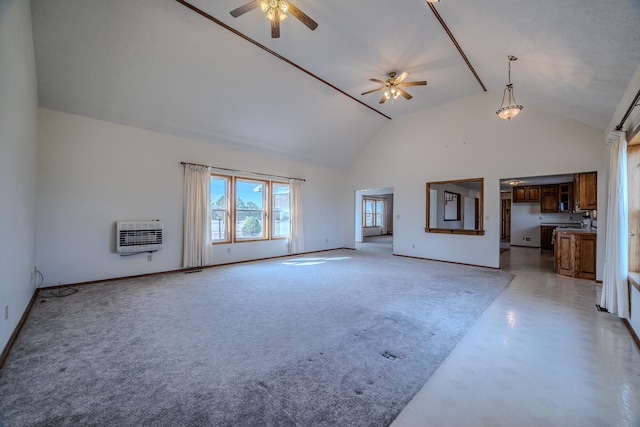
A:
296, 241
615, 291
197, 249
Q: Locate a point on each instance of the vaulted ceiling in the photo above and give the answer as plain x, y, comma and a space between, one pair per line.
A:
156, 64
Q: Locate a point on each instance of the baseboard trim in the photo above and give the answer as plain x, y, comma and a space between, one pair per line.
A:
16, 331
632, 332
182, 270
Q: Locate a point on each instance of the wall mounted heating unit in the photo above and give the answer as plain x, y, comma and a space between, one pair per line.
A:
138, 236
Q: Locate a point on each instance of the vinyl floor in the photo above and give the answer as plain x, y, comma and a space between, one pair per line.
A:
540, 355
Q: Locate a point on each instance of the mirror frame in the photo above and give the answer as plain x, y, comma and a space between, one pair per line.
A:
476, 232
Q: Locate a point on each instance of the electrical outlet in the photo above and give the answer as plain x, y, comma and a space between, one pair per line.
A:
6, 312
528, 239
413, 246
326, 240
149, 258
228, 250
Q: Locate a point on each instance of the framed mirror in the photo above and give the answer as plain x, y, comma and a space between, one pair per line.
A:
455, 207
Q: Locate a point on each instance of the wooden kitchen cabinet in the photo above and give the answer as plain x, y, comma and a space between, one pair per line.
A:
585, 191
586, 256
549, 198
575, 254
565, 197
526, 193
564, 253
546, 236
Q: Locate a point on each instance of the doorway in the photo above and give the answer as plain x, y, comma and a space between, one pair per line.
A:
374, 219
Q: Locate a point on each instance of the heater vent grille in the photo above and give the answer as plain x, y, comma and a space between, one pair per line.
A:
138, 236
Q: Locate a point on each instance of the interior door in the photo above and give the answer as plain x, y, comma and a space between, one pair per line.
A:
506, 219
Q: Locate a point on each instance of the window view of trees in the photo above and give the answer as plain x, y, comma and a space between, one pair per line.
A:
219, 208
250, 212
255, 202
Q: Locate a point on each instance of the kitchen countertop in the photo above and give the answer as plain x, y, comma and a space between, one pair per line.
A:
577, 230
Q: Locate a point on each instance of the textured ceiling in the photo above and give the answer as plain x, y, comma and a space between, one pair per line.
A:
156, 64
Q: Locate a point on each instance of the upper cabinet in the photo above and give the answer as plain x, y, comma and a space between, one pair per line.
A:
565, 197
578, 196
585, 191
549, 198
526, 193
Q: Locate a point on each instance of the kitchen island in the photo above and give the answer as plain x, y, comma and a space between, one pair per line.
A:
575, 252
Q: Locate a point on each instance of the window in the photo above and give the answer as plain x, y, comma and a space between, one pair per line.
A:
633, 191
260, 209
220, 209
373, 212
250, 209
280, 211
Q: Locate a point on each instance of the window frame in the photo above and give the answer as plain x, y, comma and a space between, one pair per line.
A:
267, 210
227, 210
272, 210
263, 210
375, 213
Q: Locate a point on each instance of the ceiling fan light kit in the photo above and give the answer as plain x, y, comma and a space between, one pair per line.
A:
392, 87
276, 11
511, 109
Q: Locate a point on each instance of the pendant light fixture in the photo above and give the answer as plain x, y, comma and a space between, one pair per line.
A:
511, 109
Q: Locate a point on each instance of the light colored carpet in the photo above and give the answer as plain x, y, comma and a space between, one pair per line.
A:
335, 338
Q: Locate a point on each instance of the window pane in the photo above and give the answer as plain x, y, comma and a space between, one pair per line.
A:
280, 208
368, 206
219, 211
368, 220
250, 213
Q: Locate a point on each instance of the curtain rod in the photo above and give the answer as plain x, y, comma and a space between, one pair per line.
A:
634, 104
241, 171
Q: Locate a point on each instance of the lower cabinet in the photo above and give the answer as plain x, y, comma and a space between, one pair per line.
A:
546, 236
575, 254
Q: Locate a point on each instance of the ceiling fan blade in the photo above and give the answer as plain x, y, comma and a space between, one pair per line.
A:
404, 93
378, 81
303, 17
275, 26
422, 83
401, 77
371, 91
383, 99
245, 8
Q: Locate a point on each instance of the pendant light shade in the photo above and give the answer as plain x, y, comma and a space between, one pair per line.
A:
511, 108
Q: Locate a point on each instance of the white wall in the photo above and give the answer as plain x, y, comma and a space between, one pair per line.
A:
465, 139
18, 158
93, 173
526, 219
